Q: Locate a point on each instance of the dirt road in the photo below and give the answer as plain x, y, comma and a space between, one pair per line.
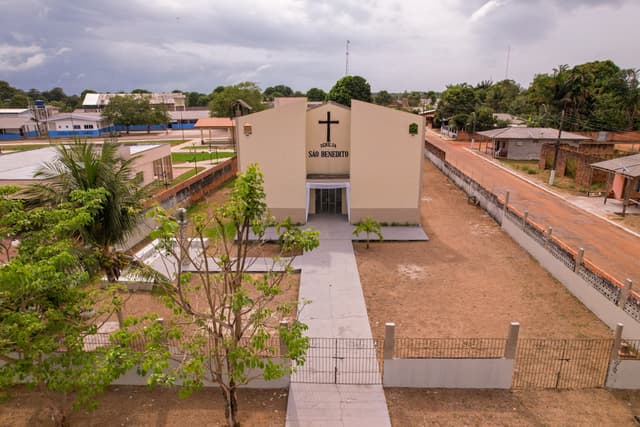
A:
613, 250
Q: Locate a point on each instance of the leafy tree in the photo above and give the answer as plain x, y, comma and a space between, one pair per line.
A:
140, 91
383, 98
83, 166
196, 99
129, 110
55, 94
222, 100
45, 297
501, 95
456, 100
315, 94
368, 226
276, 92
18, 100
226, 321
348, 88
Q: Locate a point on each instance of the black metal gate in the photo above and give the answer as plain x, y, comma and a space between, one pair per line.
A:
341, 361
562, 364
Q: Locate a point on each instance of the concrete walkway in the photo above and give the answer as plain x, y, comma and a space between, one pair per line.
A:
330, 280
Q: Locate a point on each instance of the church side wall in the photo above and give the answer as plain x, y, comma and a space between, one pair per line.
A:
277, 145
385, 164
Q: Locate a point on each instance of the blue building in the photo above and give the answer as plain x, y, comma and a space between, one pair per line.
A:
17, 123
78, 124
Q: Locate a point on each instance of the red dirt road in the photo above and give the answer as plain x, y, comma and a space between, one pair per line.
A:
612, 249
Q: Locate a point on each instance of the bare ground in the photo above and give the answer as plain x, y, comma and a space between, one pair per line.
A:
140, 406
446, 407
470, 280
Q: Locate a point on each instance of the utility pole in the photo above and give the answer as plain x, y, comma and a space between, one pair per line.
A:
346, 68
473, 130
552, 175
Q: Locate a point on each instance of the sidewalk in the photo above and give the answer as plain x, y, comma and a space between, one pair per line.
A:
330, 280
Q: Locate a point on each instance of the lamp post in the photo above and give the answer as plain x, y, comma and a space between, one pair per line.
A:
210, 158
195, 157
181, 218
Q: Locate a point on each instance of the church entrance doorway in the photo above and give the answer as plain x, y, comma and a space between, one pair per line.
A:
329, 200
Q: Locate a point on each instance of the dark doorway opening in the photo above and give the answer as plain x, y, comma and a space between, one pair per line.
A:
329, 200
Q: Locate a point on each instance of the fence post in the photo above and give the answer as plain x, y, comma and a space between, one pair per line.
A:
579, 258
549, 232
512, 341
617, 342
506, 206
524, 219
283, 345
389, 340
625, 292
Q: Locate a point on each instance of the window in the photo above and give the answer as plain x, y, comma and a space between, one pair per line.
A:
88, 126
76, 126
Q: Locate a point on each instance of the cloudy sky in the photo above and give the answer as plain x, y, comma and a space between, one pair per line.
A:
111, 45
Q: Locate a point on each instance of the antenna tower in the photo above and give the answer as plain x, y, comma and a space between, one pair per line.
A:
346, 67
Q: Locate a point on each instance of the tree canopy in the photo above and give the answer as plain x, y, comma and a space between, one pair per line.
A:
223, 98
129, 110
315, 94
277, 92
348, 88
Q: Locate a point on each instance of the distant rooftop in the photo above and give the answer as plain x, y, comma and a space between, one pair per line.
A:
627, 166
531, 133
13, 110
102, 99
214, 122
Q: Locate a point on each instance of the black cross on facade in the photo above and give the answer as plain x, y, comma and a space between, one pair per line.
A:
328, 122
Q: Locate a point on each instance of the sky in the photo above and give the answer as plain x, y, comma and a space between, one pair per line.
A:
397, 45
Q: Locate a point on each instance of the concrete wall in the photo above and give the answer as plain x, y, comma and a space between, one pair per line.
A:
448, 373
604, 309
523, 150
277, 145
624, 374
386, 164
317, 135
132, 378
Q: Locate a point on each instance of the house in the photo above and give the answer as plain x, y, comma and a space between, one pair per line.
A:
524, 143
348, 162
152, 162
623, 180
78, 124
172, 101
17, 123
509, 119
186, 119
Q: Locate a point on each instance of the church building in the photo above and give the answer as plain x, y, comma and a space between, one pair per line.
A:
358, 161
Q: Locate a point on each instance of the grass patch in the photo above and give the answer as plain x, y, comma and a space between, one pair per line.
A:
200, 157
24, 147
205, 148
188, 174
155, 141
528, 166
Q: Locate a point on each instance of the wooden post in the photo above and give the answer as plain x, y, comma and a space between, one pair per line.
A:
524, 219
549, 231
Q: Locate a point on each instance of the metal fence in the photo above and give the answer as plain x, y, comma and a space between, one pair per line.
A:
449, 348
341, 361
562, 364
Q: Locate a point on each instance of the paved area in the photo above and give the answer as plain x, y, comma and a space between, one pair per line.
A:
612, 249
332, 227
330, 280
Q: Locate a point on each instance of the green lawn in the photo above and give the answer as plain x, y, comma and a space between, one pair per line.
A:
201, 157
203, 148
22, 147
185, 176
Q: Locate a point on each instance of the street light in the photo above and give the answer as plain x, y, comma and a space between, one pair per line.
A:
195, 158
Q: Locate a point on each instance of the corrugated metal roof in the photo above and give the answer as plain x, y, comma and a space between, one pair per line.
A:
531, 133
189, 114
91, 117
14, 122
627, 166
24, 164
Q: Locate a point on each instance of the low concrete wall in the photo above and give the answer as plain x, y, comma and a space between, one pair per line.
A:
606, 311
132, 378
448, 373
624, 374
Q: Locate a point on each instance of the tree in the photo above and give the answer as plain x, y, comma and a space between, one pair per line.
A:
122, 111
368, 226
383, 98
277, 91
348, 88
83, 166
456, 100
222, 100
316, 95
140, 91
227, 321
46, 295
156, 115
19, 100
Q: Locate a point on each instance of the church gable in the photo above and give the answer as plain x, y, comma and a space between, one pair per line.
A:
328, 141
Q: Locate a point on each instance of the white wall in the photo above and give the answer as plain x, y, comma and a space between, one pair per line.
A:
448, 373
624, 374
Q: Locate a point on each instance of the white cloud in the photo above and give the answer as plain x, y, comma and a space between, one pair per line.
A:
486, 9
63, 50
20, 58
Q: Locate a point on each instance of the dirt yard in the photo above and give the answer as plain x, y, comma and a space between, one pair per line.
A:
469, 280
139, 406
442, 407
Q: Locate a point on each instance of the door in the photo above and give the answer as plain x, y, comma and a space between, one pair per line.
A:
329, 200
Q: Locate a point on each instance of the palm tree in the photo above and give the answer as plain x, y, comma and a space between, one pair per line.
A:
84, 166
368, 226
